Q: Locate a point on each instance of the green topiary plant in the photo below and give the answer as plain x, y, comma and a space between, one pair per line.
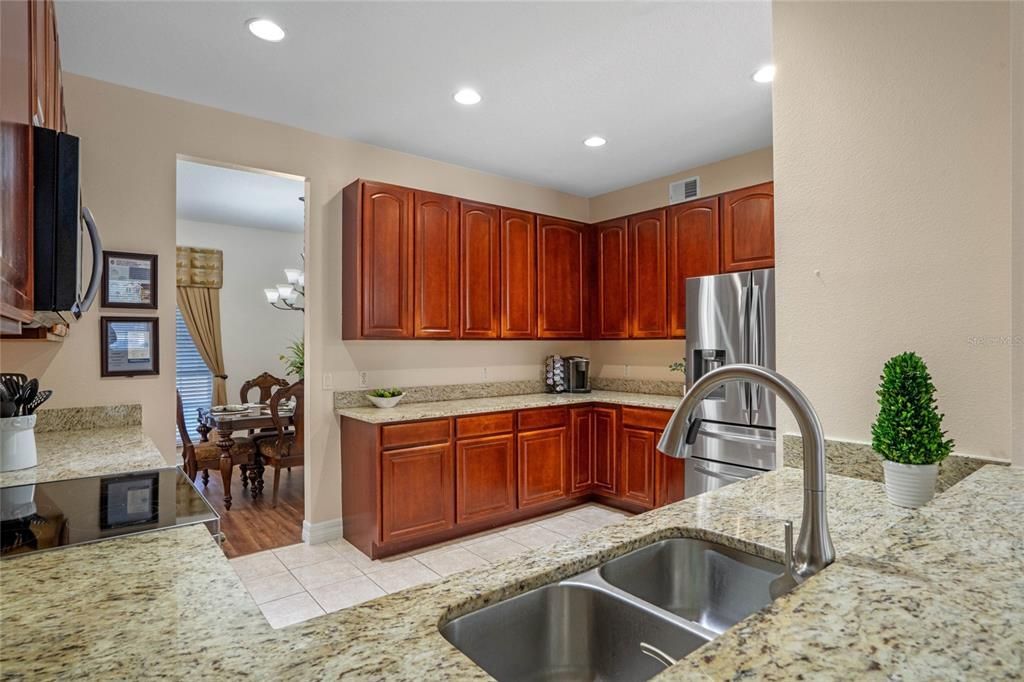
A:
908, 429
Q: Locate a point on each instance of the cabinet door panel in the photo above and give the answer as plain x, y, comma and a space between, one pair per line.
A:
561, 279
606, 448
479, 271
647, 277
638, 466
669, 473
16, 62
386, 252
485, 483
748, 229
581, 427
542, 469
436, 252
693, 238
611, 306
518, 275
417, 494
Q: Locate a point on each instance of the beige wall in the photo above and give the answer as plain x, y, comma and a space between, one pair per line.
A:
253, 333
715, 178
892, 200
1017, 64
130, 142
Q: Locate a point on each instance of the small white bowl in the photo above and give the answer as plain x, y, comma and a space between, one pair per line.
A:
384, 402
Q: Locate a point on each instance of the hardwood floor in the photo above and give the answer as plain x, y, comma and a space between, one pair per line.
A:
253, 526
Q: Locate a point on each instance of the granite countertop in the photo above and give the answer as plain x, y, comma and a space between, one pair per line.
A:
928, 593
454, 408
88, 452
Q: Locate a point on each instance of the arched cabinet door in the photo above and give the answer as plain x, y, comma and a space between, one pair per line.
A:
479, 271
748, 229
561, 279
693, 238
611, 304
436, 269
518, 275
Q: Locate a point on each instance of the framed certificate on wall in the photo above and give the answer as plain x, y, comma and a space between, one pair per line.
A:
129, 500
129, 280
129, 346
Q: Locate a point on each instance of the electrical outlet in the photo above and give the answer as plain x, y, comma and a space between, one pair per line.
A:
362, 380
485, 374
328, 381
625, 371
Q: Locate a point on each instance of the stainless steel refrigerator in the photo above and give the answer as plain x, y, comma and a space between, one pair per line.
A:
730, 319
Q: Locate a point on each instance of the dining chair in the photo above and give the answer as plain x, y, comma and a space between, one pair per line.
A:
205, 455
286, 449
267, 383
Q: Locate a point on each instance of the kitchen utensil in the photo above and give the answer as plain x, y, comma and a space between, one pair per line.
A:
13, 382
8, 407
40, 398
28, 393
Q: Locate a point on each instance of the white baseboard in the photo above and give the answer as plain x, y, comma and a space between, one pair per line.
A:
323, 531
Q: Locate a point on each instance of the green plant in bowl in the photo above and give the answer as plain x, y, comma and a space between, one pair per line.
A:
385, 397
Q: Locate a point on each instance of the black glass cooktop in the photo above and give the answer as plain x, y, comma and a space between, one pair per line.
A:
57, 514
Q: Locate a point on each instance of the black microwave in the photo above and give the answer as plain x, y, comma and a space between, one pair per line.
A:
60, 223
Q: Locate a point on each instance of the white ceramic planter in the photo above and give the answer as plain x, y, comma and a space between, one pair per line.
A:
910, 485
384, 402
17, 443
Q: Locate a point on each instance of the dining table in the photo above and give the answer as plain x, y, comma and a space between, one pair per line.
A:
226, 424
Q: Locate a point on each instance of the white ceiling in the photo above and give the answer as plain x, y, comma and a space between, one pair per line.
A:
667, 83
214, 194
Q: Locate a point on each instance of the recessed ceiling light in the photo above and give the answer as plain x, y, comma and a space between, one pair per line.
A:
265, 29
766, 74
595, 141
467, 96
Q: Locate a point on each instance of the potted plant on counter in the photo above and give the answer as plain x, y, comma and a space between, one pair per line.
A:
385, 397
908, 431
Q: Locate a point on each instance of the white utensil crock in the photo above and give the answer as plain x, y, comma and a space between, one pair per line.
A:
17, 443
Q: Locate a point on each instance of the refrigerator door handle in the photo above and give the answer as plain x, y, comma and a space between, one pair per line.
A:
718, 474
744, 386
756, 343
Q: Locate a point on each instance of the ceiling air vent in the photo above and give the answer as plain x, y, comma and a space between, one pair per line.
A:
684, 190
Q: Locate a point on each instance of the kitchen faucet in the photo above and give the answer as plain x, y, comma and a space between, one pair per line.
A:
814, 550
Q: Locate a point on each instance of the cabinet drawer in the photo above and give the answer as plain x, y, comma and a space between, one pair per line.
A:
645, 418
484, 424
415, 433
544, 418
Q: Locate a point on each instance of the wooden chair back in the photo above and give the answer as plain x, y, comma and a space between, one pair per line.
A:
267, 383
289, 443
188, 450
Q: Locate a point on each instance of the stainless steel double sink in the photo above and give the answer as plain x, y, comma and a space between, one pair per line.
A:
625, 620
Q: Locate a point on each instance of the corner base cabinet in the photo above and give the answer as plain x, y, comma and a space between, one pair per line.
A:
411, 484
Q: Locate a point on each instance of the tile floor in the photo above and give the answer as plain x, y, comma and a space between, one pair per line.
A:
299, 582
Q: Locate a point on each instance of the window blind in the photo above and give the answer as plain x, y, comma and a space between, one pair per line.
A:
192, 377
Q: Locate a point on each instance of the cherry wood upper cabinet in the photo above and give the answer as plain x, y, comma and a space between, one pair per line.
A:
416, 490
16, 74
479, 271
542, 465
518, 275
611, 304
581, 436
748, 228
485, 483
693, 238
647, 276
436, 271
606, 448
562, 279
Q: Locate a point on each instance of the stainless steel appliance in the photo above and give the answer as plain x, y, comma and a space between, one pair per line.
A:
60, 222
730, 319
577, 368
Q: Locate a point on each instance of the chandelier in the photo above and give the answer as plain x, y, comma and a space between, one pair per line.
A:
286, 296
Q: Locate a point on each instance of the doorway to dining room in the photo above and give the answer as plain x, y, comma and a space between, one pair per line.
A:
239, 354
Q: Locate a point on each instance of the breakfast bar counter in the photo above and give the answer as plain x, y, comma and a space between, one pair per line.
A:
910, 595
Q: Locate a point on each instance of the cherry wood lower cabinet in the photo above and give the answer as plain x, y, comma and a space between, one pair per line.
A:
416, 485
411, 484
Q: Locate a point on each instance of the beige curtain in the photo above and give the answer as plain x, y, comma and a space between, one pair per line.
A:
199, 275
